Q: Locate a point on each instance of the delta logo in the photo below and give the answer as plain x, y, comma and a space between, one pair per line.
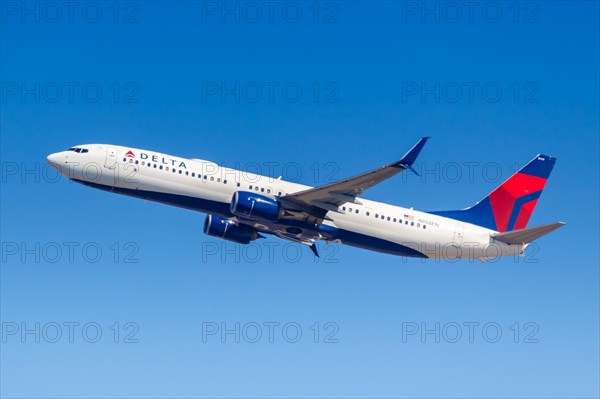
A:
162, 160
157, 159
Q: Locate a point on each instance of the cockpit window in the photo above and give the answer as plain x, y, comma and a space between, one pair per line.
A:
78, 150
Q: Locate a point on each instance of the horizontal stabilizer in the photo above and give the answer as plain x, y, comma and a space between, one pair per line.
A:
524, 236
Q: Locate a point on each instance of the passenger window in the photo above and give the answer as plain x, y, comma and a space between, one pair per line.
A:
418, 224
224, 181
218, 180
357, 211
193, 174
256, 188
424, 227
268, 191
262, 190
406, 222
250, 187
136, 162
412, 223
238, 184
154, 166
388, 218
180, 171
187, 173
349, 209
376, 216
212, 178
160, 167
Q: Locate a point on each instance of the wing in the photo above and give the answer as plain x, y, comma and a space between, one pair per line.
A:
317, 201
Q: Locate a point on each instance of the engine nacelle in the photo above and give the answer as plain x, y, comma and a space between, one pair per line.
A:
216, 227
249, 205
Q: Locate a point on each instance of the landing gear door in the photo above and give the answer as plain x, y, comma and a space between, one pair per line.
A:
111, 157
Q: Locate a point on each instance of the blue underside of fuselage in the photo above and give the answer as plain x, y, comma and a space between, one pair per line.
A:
221, 209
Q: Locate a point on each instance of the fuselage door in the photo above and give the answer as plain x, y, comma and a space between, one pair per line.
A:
459, 232
111, 157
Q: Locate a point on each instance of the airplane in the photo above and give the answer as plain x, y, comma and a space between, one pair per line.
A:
243, 207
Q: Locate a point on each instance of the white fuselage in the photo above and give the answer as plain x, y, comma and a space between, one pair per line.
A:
206, 187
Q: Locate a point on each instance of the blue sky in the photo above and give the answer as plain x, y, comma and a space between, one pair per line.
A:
350, 92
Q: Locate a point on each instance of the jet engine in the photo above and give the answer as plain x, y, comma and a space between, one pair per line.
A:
226, 229
249, 205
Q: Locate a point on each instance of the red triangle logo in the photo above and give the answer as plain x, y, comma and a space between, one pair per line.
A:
129, 154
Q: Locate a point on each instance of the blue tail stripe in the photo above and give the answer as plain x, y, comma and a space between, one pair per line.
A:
479, 214
540, 166
519, 202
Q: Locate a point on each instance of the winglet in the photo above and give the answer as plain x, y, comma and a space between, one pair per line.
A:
411, 169
411, 156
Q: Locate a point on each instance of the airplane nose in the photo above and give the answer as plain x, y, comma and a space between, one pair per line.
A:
53, 159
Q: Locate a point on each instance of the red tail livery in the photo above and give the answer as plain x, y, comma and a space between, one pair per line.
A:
511, 204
